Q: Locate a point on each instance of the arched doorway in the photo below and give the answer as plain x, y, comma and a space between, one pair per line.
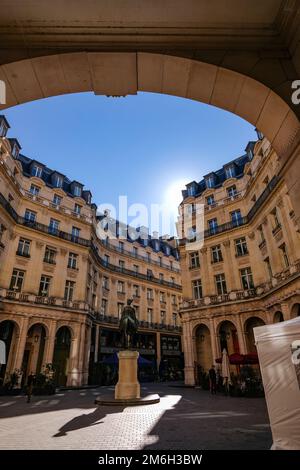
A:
8, 332
204, 355
295, 311
228, 337
251, 323
61, 355
278, 317
34, 350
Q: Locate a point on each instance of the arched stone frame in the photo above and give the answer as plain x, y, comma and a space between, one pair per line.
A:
234, 322
38, 364
205, 364
250, 349
278, 317
39, 321
59, 326
14, 343
295, 309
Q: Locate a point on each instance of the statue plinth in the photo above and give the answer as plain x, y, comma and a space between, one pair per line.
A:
128, 386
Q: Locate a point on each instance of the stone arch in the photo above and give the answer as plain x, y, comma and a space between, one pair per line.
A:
228, 336
126, 73
61, 354
295, 310
249, 324
34, 348
204, 355
67, 325
9, 332
278, 317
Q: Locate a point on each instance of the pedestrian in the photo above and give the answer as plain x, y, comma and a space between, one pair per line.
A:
30, 384
213, 380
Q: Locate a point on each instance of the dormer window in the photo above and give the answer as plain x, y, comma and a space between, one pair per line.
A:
77, 191
210, 181
260, 135
36, 171
167, 250
15, 151
3, 126
58, 181
230, 171
191, 190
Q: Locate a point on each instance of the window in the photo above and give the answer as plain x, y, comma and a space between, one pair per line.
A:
230, 172
135, 251
150, 315
276, 218
120, 309
192, 234
137, 311
236, 217
72, 261
106, 260
194, 260
24, 247
261, 233
162, 297
247, 278
269, 267
10, 198
213, 225
17, 280
173, 299
172, 280
34, 190
49, 256
231, 191
241, 248
161, 277
75, 232
44, 286
149, 257
149, 294
15, 151
58, 181
57, 199
149, 274
77, 208
69, 290
121, 265
210, 200
105, 282
210, 181
30, 216
221, 284
3, 128
36, 171
120, 287
160, 261
191, 190
136, 268
136, 291
53, 225
171, 265
77, 191
197, 289
216, 254
285, 257
163, 317
103, 309
121, 247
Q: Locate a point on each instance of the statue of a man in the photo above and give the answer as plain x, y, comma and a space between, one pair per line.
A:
128, 324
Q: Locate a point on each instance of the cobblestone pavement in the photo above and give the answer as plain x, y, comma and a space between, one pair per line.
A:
185, 418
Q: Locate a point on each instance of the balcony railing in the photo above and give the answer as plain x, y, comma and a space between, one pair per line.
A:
122, 251
280, 278
142, 324
14, 295
129, 272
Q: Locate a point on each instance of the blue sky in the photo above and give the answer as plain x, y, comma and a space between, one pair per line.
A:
144, 146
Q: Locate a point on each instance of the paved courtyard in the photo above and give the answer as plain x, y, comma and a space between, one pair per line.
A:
184, 419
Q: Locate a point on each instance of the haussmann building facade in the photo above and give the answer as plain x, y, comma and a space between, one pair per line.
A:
62, 288
247, 272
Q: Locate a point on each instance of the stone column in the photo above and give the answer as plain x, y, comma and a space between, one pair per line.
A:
189, 369
158, 350
241, 335
213, 340
21, 342
50, 344
285, 311
87, 351
97, 343
75, 368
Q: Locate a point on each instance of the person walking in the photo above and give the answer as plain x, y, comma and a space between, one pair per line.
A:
213, 380
30, 384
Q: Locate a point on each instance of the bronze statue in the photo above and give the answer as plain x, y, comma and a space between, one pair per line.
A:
128, 325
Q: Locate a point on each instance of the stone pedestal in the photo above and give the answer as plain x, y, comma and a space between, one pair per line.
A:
128, 387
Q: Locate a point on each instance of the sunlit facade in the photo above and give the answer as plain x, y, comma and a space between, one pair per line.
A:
247, 273
62, 288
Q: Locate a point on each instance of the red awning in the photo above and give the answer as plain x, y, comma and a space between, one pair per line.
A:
240, 359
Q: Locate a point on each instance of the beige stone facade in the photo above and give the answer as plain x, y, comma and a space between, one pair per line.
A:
60, 285
247, 272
